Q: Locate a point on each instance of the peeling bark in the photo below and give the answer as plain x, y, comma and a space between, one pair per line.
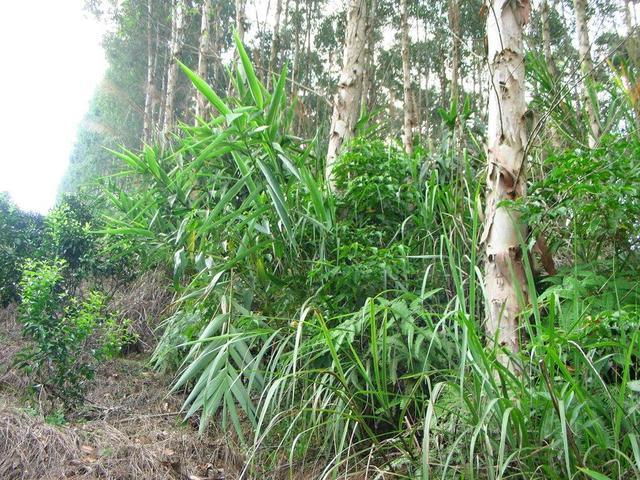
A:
586, 68
346, 106
546, 38
201, 101
506, 140
177, 39
409, 120
148, 100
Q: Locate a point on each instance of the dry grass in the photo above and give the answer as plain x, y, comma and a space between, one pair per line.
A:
144, 302
128, 429
11, 341
32, 449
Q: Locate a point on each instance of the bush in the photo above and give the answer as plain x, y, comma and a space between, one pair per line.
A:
377, 193
21, 237
68, 231
68, 335
590, 201
376, 184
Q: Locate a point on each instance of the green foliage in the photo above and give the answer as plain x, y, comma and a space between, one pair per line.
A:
21, 237
67, 335
378, 192
347, 327
68, 230
377, 184
593, 196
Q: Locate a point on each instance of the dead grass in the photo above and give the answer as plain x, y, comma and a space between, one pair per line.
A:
147, 448
128, 428
11, 341
144, 302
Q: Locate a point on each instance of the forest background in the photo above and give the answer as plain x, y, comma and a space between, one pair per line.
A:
396, 239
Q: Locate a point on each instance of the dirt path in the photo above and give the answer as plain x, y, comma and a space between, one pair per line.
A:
129, 429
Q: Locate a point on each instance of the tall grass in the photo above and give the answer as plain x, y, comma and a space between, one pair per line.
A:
400, 385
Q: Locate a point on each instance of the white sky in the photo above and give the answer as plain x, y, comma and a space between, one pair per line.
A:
51, 61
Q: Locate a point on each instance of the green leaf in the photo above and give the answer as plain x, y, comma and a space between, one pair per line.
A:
254, 83
593, 474
634, 385
204, 88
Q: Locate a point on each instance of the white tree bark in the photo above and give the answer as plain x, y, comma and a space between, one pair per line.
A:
346, 106
175, 45
454, 24
148, 100
240, 6
506, 139
546, 38
368, 72
409, 120
203, 49
586, 68
275, 44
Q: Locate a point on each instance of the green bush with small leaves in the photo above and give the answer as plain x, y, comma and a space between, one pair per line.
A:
67, 335
21, 237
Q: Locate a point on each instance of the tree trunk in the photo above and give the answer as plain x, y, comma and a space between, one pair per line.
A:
275, 44
506, 139
442, 79
177, 38
632, 41
215, 48
406, 80
426, 106
240, 4
201, 101
309, 25
148, 100
296, 53
586, 68
546, 39
454, 24
346, 106
368, 72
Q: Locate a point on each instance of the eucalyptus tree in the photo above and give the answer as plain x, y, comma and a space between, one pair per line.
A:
409, 117
454, 26
275, 43
346, 106
175, 46
589, 100
203, 50
546, 38
503, 234
151, 57
240, 18
369, 71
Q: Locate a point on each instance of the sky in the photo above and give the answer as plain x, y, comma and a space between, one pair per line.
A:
51, 63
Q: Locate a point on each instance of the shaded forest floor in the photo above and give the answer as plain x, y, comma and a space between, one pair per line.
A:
128, 427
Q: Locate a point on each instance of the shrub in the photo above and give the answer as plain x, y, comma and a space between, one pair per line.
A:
21, 235
376, 184
377, 193
68, 335
592, 197
68, 231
